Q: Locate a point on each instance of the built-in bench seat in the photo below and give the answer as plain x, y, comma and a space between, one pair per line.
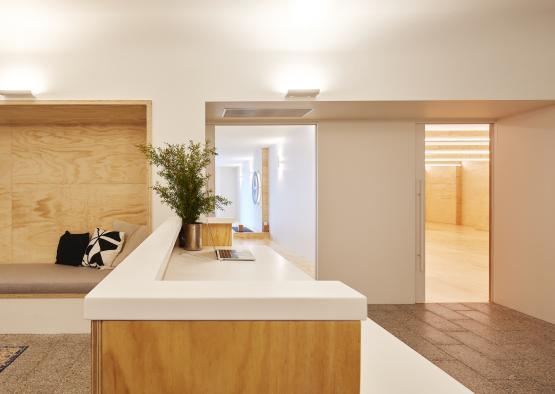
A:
46, 279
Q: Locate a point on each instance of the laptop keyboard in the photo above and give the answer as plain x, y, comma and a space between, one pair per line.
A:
224, 253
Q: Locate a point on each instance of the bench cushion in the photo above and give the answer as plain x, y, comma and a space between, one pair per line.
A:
48, 279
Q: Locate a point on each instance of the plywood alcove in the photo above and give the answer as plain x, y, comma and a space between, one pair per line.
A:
69, 166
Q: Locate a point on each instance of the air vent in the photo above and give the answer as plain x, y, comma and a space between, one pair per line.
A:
265, 113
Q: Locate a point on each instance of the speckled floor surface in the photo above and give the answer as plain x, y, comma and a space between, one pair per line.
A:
488, 348
51, 364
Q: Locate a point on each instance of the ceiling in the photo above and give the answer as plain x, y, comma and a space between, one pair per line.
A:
280, 25
430, 111
237, 144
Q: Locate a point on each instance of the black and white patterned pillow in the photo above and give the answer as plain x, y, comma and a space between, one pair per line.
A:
103, 248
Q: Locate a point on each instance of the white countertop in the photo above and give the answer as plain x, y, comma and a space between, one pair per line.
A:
151, 285
203, 265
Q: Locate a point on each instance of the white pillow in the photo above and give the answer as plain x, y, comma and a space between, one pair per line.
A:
103, 248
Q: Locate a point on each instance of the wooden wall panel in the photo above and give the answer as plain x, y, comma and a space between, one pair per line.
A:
217, 234
71, 113
5, 194
443, 195
227, 356
70, 176
78, 154
124, 202
475, 195
41, 213
265, 190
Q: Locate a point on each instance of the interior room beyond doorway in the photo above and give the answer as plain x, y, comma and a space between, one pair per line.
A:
457, 212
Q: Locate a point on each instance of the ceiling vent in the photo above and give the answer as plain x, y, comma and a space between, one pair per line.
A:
265, 113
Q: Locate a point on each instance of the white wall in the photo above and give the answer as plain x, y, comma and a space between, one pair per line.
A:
227, 185
292, 192
182, 54
524, 214
366, 207
172, 54
250, 214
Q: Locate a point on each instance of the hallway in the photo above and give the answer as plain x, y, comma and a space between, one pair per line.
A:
456, 263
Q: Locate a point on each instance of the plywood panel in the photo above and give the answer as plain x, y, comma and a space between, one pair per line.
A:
126, 202
69, 173
227, 356
217, 234
265, 189
41, 214
78, 154
475, 195
5, 195
443, 195
127, 113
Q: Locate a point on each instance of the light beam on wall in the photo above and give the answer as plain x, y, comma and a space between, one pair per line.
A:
456, 152
22, 78
465, 159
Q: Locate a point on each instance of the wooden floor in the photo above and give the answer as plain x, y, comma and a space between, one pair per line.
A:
457, 259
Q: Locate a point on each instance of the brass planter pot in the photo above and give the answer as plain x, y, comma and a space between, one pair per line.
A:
190, 236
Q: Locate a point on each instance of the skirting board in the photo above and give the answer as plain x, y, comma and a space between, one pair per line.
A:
43, 316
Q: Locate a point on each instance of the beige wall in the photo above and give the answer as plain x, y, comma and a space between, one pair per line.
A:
524, 214
366, 207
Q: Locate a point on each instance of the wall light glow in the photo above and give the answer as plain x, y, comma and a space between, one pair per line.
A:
31, 27
456, 139
465, 159
22, 78
456, 152
299, 77
455, 143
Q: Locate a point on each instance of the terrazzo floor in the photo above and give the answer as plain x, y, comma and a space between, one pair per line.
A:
488, 348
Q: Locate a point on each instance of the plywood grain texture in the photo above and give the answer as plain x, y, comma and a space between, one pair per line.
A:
76, 171
443, 195
78, 154
265, 188
5, 194
475, 195
217, 234
71, 113
226, 357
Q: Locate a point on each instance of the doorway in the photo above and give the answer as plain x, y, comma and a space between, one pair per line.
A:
457, 212
268, 172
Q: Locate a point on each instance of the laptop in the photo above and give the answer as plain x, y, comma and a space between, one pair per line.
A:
234, 255
230, 254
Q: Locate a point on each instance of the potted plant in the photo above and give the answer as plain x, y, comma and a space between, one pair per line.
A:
185, 190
